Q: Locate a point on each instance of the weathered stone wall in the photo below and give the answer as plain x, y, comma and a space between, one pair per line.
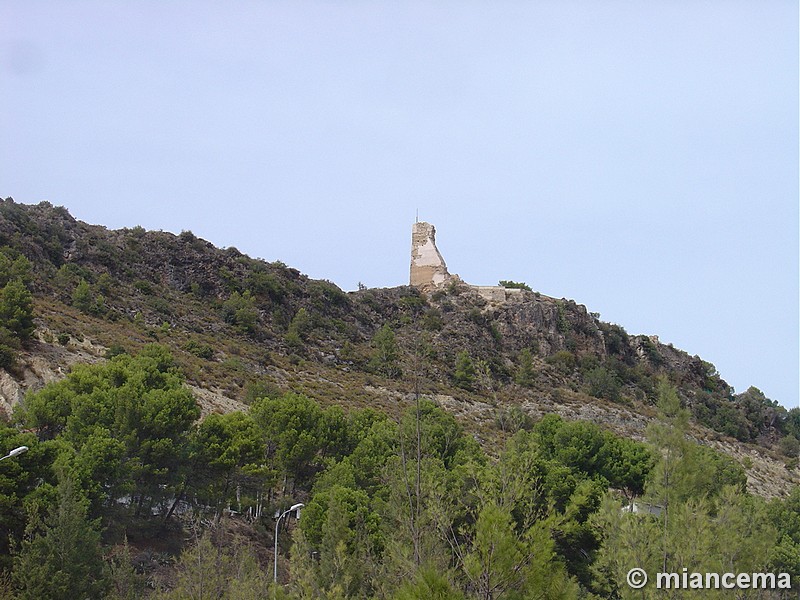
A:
495, 293
428, 269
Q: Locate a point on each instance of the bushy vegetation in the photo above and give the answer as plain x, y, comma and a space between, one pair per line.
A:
399, 504
16, 304
394, 509
239, 310
526, 372
464, 373
385, 353
515, 285
170, 288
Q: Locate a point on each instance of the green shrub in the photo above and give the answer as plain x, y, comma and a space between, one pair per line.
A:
82, 298
432, 320
651, 352
604, 384
476, 316
8, 356
564, 361
9, 345
515, 285
464, 375
145, 287
789, 446
412, 302
257, 389
616, 339
240, 311
562, 322
199, 350
385, 353
293, 340
526, 374
325, 294
261, 283
160, 305
299, 328
13, 266
115, 350
105, 284
513, 419
16, 309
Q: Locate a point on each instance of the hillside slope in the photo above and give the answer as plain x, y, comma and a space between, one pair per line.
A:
241, 327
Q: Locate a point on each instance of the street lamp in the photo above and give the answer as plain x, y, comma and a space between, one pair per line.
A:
15, 452
294, 507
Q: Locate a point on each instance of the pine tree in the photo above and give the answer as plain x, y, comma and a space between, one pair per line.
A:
82, 297
64, 559
526, 374
464, 375
669, 482
430, 584
384, 357
16, 309
497, 558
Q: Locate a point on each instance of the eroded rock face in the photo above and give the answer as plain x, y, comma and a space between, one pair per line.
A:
428, 269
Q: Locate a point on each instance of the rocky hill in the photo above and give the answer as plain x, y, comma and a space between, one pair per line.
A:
241, 327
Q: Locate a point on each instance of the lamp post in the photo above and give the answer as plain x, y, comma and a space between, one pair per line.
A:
277, 524
15, 452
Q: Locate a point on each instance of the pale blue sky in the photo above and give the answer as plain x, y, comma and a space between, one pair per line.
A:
638, 157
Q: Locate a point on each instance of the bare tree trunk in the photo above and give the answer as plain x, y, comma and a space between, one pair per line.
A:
411, 509
139, 505
417, 557
174, 505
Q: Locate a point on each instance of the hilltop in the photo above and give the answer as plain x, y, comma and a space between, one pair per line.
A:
240, 328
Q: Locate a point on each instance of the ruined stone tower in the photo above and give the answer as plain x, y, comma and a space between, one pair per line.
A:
428, 270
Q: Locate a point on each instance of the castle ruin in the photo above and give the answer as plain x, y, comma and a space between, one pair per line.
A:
429, 271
